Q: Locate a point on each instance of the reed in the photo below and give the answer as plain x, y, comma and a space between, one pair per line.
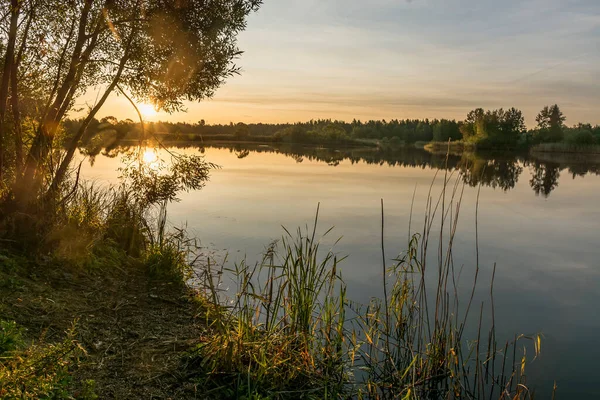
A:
282, 334
411, 343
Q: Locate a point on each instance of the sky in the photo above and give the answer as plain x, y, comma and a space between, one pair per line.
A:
385, 59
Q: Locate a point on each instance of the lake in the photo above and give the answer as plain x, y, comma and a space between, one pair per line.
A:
538, 221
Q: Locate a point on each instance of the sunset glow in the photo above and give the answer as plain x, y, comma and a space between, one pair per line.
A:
147, 110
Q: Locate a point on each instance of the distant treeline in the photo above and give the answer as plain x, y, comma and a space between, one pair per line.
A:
492, 129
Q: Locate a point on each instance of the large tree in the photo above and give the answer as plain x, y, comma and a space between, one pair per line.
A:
157, 51
551, 123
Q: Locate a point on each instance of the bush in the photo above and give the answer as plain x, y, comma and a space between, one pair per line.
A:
167, 261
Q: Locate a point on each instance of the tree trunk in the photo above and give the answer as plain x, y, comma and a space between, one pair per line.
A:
9, 60
14, 93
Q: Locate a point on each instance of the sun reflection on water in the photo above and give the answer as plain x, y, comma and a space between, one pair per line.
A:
150, 158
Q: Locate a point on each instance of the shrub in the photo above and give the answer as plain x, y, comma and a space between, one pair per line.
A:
167, 261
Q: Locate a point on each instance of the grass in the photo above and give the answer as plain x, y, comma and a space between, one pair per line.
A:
38, 370
98, 259
281, 335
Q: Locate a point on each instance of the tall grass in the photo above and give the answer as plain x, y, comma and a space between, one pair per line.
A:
291, 332
282, 333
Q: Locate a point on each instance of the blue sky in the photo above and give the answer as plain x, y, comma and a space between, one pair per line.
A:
412, 59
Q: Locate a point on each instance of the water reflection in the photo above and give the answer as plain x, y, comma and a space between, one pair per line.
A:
544, 177
496, 170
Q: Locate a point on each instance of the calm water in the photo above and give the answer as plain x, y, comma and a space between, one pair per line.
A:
538, 221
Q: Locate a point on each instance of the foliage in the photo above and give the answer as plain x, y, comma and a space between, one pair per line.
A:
167, 255
497, 128
325, 131
158, 181
241, 131
445, 130
582, 134
491, 129
285, 333
550, 124
11, 337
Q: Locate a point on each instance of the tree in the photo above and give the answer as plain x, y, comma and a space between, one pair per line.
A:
550, 123
445, 130
241, 131
156, 51
493, 127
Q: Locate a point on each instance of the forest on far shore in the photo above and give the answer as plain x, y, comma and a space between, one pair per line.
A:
491, 129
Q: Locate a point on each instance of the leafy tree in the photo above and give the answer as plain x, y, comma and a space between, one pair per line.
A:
162, 52
445, 130
241, 131
550, 123
581, 134
334, 132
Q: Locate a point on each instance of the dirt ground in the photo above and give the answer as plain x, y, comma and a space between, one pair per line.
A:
135, 330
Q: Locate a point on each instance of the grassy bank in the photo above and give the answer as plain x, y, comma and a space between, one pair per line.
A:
95, 298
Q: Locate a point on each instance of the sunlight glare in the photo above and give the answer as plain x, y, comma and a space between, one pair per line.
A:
147, 110
150, 156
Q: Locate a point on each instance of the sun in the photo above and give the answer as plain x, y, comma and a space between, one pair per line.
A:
147, 110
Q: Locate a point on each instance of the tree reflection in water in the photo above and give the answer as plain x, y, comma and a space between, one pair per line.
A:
496, 170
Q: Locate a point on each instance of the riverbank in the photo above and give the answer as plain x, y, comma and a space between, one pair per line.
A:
122, 334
